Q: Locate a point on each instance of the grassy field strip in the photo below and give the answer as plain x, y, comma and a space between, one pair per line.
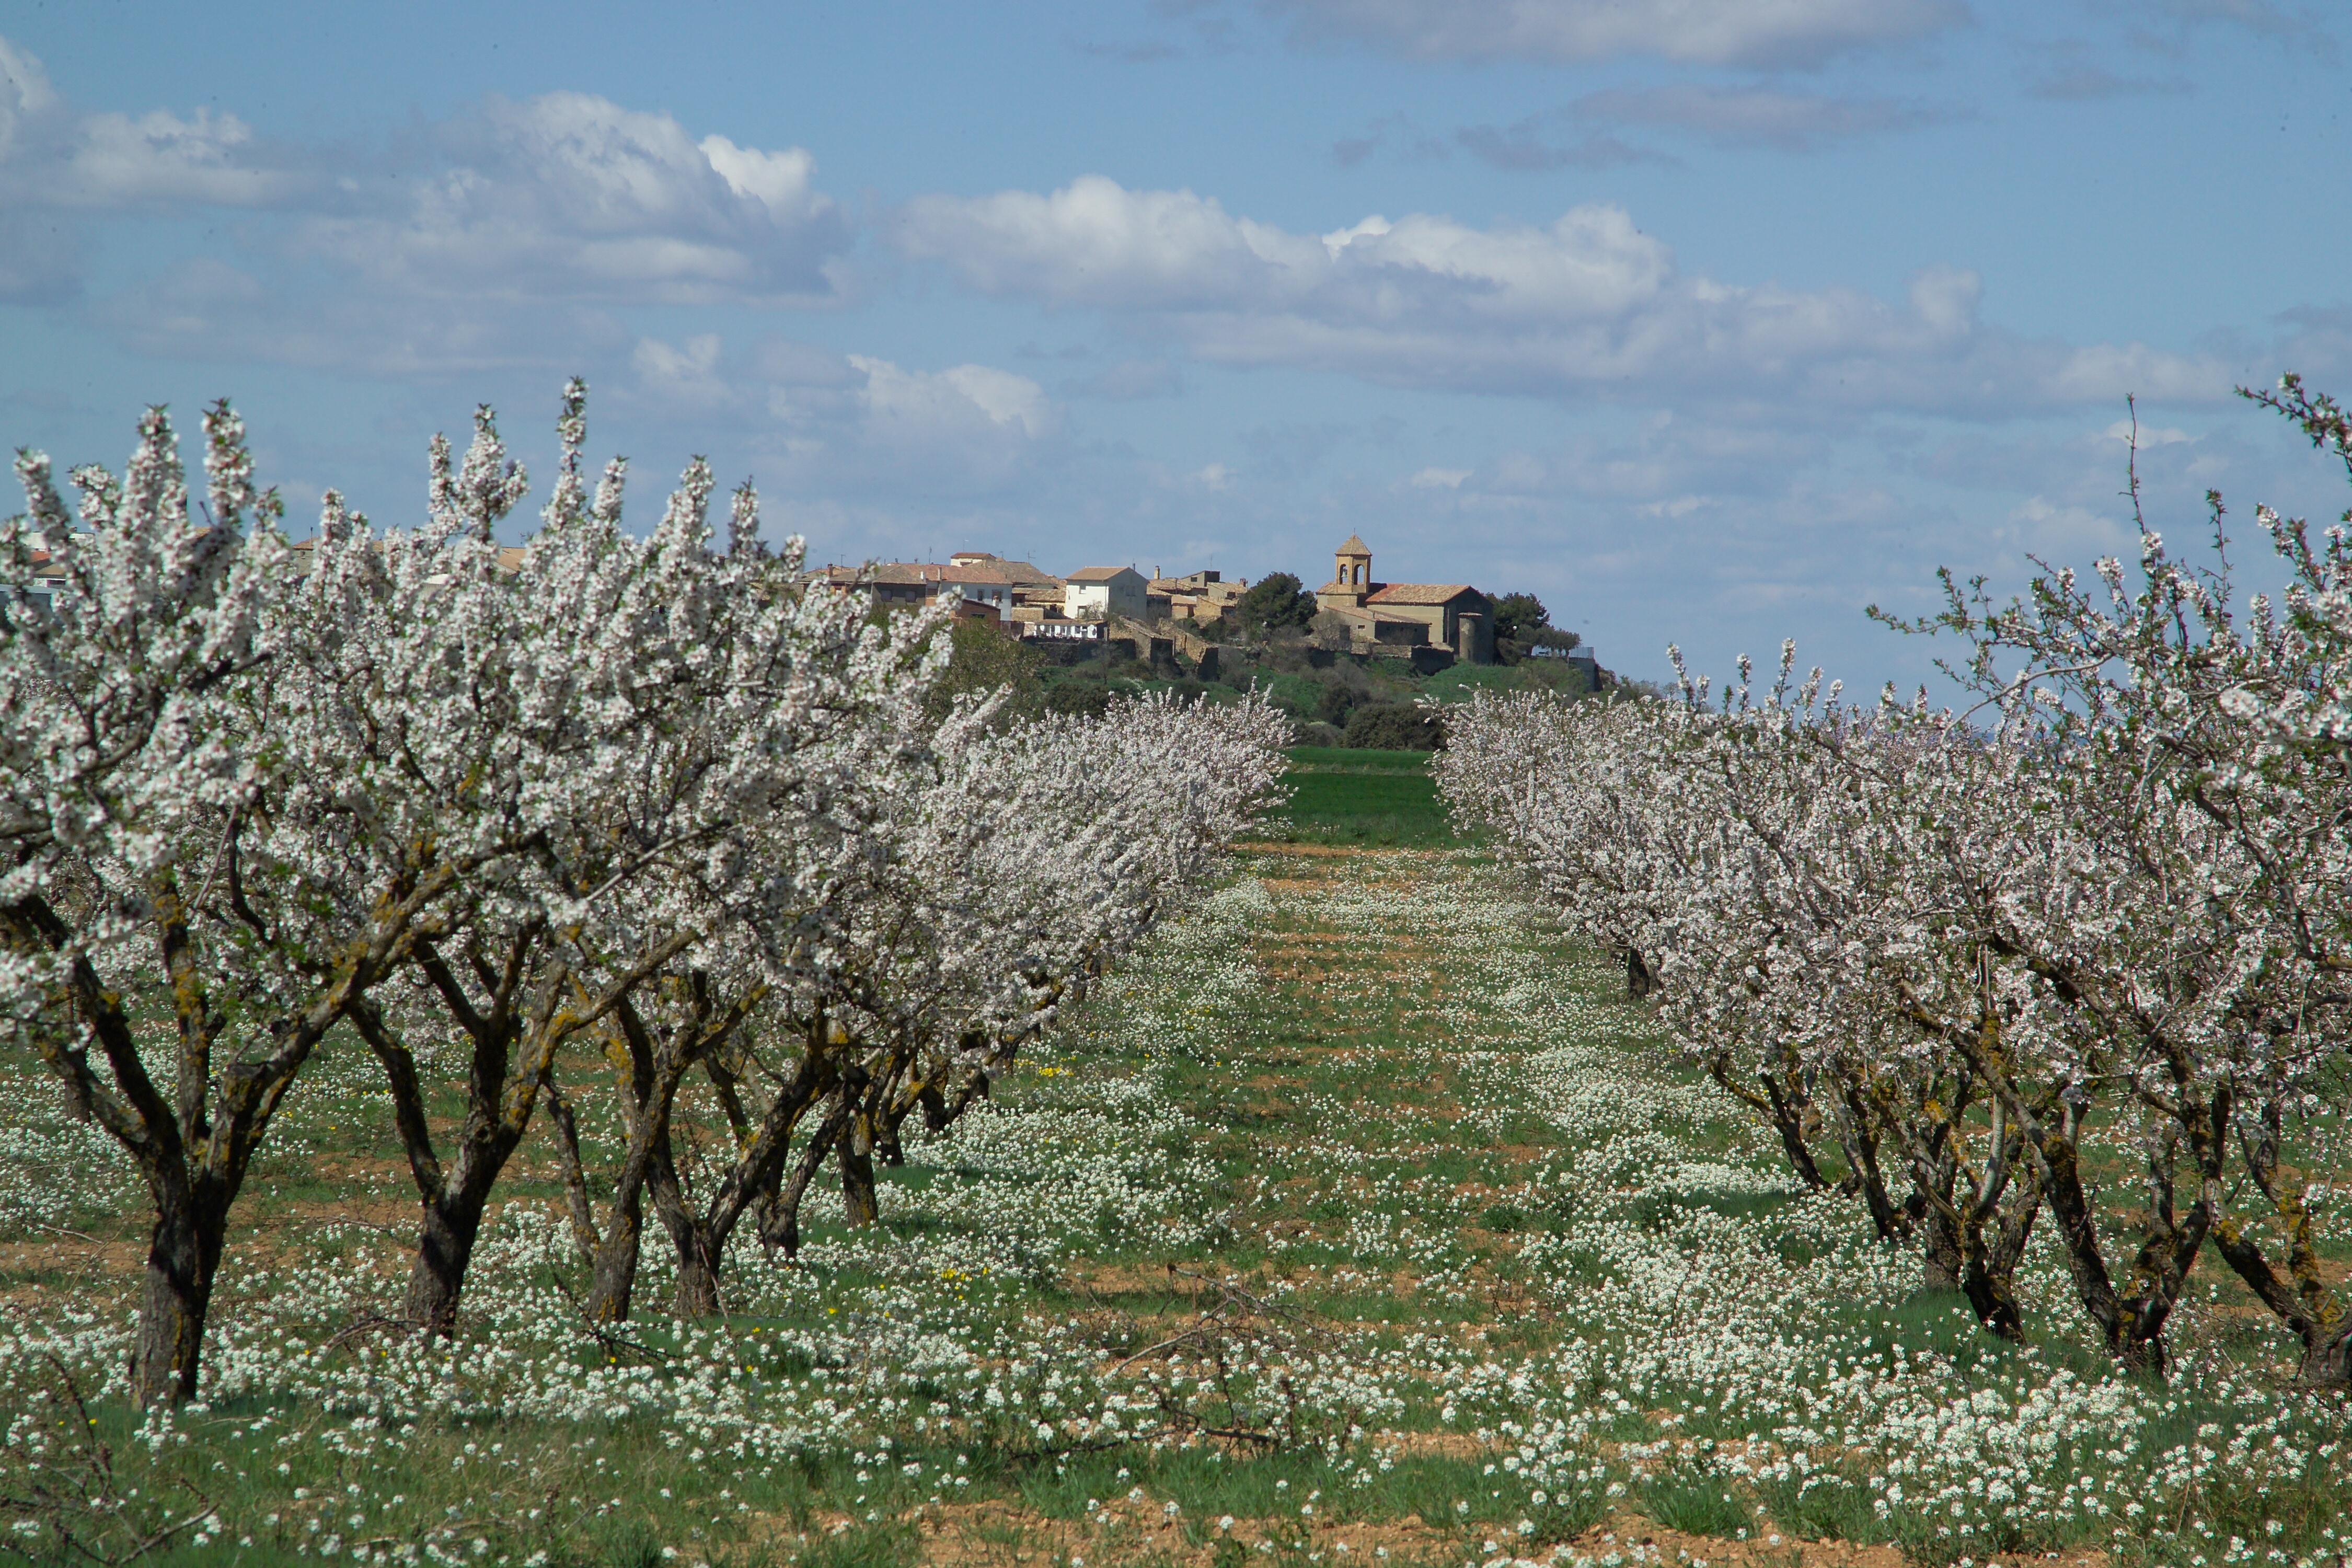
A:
1361, 1220
1341, 794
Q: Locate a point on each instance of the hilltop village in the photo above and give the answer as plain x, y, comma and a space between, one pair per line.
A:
1346, 659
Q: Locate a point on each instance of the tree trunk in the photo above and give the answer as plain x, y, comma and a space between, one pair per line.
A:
581, 1213
2133, 1330
1640, 981
2327, 1358
780, 1226
859, 1203
1941, 1256
444, 1246
698, 1278
2307, 1309
2300, 1298
1991, 1276
183, 1256
1788, 1117
698, 1273
615, 1281
690, 1238
651, 1089
1859, 1143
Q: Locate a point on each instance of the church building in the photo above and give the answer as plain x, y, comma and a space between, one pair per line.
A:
1397, 618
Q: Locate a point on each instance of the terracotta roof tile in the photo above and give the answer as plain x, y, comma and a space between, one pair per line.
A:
1421, 592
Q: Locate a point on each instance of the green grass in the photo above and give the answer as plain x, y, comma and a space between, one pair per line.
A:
1343, 795
1368, 1080
1353, 760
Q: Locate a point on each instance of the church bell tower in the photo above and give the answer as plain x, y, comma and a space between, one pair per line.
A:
1352, 577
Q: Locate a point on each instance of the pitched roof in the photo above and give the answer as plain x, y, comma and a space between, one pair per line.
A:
995, 570
1353, 546
974, 566
1097, 573
1422, 593
1011, 573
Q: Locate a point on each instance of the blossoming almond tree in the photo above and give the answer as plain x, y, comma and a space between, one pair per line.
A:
684, 741
842, 744
1046, 852
2110, 927
2203, 748
1789, 926
188, 878
1018, 865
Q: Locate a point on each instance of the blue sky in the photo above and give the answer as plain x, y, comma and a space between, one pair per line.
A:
1709, 321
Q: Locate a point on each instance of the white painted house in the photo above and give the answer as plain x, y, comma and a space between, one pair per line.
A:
1099, 591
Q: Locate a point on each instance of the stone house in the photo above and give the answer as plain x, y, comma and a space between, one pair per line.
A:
1198, 597
1104, 592
1398, 619
973, 576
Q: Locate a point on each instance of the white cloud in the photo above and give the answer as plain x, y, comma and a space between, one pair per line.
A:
919, 401
572, 194
2147, 436
1586, 305
1096, 243
1439, 478
783, 182
1756, 32
52, 157
205, 309
824, 421
1757, 116
567, 198
160, 159
25, 91
2063, 532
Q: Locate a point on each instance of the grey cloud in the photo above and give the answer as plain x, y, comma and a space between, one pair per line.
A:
204, 309
2259, 17
1132, 54
1292, 449
568, 198
53, 157
1519, 147
1759, 117
823, 422
43, 255
1130, 380
2085, 83
1790, 33
1522, 147
1588, 307
2315, 340
572, 194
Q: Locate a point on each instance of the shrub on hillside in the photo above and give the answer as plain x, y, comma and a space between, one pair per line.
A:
1090, 698
982, 659
1309, 732
1277, 602
1394, 727
1521, 624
